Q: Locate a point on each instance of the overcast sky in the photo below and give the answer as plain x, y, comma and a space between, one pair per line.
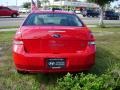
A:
20, 2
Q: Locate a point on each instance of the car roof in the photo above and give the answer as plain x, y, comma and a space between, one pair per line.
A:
51, 11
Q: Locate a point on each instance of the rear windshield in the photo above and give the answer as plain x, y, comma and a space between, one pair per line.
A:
52, 19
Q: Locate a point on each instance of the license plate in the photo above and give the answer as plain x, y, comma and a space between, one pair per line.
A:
56, 62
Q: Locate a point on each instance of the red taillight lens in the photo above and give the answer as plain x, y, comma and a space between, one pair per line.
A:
18, 42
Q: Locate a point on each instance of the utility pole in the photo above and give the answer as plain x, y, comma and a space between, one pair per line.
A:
6, 3
61, 3
36, 3
53, 3
67, 4
16, 2
71, 4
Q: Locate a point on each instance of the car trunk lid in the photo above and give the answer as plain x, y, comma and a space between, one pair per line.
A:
54, 39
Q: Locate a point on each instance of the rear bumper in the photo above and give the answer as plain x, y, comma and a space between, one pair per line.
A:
79, 61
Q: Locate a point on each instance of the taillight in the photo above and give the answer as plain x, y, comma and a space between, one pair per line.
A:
91, 35
18, 35
91, 43
17, 42
17, 45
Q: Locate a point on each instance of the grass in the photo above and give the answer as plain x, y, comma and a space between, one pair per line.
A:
108, 48
8, 27
108, 53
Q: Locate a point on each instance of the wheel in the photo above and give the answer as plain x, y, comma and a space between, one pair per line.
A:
13, 15
88, 15
117, 18
84, 15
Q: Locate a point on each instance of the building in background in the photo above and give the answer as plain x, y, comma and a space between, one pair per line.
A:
77, 5
117, 9
65, 4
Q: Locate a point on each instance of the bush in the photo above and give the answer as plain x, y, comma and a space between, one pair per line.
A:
108, 81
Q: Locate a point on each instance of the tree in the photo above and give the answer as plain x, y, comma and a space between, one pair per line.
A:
38, 3
27, 5
101, 3
44, 2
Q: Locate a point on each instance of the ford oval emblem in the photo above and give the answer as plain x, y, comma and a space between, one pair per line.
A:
56, 35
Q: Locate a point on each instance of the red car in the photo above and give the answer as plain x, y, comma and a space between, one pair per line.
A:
5, 11
53, 41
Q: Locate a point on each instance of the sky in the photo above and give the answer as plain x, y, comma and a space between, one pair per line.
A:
12, 2
20, 2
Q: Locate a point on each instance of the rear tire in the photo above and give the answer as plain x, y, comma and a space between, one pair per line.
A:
84, 15
88, 15
13, 15
117, 18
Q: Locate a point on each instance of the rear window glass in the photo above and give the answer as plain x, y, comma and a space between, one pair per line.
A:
54, 19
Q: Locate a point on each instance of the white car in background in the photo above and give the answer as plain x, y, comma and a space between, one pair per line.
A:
77, 11
24, 10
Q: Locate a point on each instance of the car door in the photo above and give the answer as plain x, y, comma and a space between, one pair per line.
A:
5, 11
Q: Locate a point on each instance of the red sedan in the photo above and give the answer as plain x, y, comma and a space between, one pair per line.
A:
53, 41
5, 11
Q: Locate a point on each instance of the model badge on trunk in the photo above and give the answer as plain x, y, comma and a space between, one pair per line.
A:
56, 35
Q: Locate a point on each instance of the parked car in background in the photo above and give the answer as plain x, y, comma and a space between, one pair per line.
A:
90, 13
77, 11
55, 9
24, 10
118, 14
5, 11
53, 41
111, 15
